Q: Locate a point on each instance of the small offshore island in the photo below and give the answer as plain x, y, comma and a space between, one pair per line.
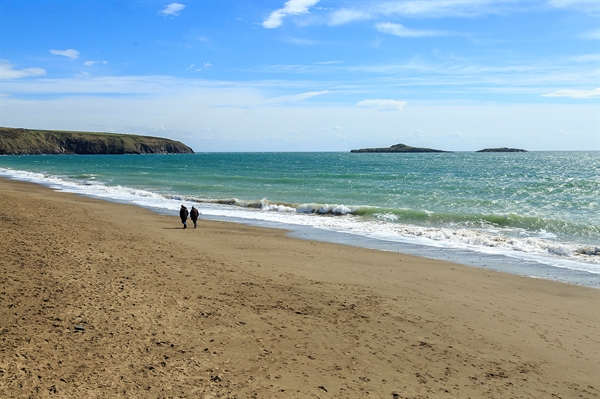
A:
18, 141
398, 148
503, 149
406, 148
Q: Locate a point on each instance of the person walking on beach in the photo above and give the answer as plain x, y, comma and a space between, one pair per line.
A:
194, 215
183, 214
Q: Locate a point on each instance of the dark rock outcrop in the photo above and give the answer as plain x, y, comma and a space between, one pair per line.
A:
398, 148
16, 141
503, 149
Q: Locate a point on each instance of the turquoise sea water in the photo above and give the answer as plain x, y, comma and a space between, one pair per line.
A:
537, 207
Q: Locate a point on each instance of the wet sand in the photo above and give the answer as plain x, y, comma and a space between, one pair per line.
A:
104, 300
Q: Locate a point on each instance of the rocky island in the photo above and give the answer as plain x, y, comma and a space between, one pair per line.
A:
17, 141
503, 149
398, 148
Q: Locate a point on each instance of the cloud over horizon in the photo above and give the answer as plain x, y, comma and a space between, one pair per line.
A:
574, 93
383, 105
7, 71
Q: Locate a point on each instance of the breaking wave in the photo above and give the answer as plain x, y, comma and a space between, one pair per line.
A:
511, 234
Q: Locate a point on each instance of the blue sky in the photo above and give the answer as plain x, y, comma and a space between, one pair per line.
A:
308, 75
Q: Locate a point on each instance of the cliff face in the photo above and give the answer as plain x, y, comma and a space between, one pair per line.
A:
398, 148
14, 141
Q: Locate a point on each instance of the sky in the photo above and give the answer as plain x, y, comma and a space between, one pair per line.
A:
308, 75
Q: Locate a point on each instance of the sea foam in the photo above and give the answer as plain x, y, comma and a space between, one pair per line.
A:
485, 237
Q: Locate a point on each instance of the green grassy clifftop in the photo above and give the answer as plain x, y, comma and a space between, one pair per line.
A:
16, 141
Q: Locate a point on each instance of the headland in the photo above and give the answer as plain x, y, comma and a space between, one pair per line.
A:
17, 141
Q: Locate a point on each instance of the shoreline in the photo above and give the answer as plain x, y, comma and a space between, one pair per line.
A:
230, 309
533, 265
529, 267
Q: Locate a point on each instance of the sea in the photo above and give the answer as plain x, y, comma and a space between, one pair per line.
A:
534, 214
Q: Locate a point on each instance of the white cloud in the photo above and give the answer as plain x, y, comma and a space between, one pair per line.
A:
70, 53
401, 31
291, 7
382, 105
575, 93
7, 71
172, 9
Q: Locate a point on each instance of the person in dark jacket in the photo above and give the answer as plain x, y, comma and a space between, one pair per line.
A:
183, 214
194, 215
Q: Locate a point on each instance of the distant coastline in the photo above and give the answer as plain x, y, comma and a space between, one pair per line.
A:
19, 141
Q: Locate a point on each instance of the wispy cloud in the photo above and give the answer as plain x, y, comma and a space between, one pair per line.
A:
586, 6
575, 93
92, 63
448, 75
328, 62
172, 10
70, 53
297, 97
302, 42
591, 35
451, 80
196, 68
382, 105
418, 9
347, 15
291, 7
587, 58
8, 71
402, 31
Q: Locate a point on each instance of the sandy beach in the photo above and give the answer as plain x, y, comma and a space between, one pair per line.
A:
104, 300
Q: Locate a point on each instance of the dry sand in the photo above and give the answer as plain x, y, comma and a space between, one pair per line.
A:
231, 311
